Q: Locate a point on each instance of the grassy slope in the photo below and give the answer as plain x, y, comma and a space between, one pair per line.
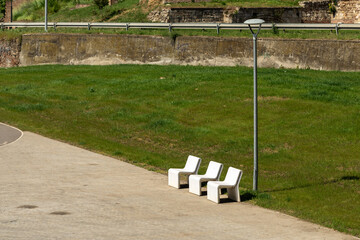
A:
124, 11
308, 125
127, 11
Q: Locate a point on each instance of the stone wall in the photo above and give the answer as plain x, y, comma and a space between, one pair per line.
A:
310, 12
315, 11
215, 15
272, 15
183, 1
348, 11
9, 52
210, 51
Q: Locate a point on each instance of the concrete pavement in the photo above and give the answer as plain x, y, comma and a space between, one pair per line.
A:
52, 190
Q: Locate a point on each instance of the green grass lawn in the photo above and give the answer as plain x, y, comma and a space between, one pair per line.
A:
154, 116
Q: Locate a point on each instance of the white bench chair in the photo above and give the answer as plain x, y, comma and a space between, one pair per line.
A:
191, 167
231, 183
213, 173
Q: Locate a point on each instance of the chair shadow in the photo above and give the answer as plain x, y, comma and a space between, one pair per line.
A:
247, 196
184, 185
226, 200
203, 193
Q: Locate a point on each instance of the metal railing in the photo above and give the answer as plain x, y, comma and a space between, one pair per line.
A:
171, 26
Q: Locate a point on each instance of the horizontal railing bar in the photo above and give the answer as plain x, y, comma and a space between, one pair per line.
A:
219, 26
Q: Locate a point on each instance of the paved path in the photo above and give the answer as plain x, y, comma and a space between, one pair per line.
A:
52, 190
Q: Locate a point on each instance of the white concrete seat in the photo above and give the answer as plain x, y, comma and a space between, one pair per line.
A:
191, 167
213, 173
231, 183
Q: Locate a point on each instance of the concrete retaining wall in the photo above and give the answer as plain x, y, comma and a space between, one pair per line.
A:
210, 51
95, 49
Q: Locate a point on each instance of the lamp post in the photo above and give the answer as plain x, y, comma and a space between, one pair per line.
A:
257, 23
46, 15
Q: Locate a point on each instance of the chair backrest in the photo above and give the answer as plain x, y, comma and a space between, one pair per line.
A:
214, 170
233, 176
192, 164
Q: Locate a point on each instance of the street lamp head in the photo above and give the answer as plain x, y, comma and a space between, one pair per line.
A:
254, 21
257, 23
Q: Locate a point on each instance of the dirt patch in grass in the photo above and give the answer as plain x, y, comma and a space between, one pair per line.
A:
274, 150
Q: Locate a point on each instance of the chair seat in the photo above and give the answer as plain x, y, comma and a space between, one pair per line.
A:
180, 170
191, 167
213, 173
221, 184
203, 178
231, 182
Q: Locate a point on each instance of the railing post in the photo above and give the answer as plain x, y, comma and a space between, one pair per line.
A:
337, 28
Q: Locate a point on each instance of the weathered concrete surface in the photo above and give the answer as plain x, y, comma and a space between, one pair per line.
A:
8, 134
210, 51
51, 190
288, 53
96, 49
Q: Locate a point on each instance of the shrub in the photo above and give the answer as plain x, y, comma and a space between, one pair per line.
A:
332, 6
274, 29
101, 3
2, 8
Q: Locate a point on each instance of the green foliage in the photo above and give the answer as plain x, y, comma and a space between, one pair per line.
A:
67, 11
10, 35
34, 10
274, 29
155, 115
2, 8
101, 3
332, 6
108, 12
174, 35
